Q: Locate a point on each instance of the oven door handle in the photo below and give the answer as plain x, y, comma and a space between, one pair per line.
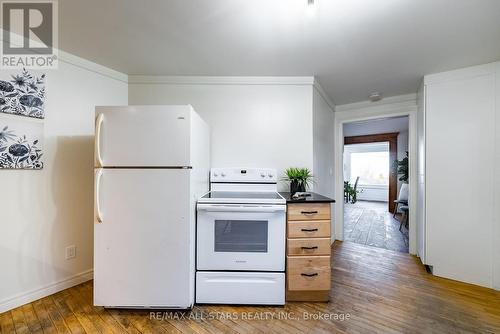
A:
241, 208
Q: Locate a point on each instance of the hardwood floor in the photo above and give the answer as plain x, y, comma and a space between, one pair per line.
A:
377, 291
369, 223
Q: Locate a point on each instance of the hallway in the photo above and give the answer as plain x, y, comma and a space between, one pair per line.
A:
369, 223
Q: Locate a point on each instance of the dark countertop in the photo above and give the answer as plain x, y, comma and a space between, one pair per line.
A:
314, 198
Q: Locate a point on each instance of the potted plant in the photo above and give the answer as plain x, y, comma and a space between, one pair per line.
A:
300, 179
401, 168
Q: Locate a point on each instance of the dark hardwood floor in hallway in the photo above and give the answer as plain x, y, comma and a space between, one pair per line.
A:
374, 291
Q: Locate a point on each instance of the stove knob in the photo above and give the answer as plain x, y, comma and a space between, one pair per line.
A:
263, 175
216, 174
222, 174
270, 175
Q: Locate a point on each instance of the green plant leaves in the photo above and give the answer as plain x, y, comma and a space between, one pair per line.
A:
300, 175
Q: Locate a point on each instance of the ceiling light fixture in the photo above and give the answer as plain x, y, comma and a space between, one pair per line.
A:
375, 96
311, 8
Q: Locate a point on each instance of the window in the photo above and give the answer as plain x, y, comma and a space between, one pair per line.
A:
368, 161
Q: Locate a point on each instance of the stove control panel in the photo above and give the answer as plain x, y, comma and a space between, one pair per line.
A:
244, 175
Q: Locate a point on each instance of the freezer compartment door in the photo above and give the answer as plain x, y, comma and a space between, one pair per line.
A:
240, 288
142, 136
143, 239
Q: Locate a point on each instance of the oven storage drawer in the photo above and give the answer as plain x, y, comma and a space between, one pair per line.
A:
309, 211
240, 288
313, 246
309, 229
308, 273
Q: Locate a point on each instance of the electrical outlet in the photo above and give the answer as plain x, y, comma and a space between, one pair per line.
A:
70, 252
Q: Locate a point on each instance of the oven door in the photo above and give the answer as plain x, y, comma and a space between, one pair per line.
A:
241, 237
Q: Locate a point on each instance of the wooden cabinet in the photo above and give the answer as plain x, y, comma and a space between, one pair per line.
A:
308, 273
309, 211
308, 266
309, 246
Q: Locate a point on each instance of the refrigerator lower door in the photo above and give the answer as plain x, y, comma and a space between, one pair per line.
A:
144, 239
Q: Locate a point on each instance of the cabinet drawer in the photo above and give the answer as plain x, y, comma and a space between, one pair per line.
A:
313, 246
308, 273
309, 229
309, 211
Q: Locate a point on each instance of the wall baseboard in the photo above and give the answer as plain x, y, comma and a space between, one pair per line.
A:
30, 296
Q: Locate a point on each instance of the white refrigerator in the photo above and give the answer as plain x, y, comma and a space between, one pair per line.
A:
151, 165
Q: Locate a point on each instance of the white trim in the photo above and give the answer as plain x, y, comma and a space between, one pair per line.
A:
221, 80
88, 65
496, 213
68, 58
461, 74
388, 102
404, 106
323, 94
35, 294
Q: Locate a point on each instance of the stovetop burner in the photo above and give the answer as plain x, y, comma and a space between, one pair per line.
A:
242, 186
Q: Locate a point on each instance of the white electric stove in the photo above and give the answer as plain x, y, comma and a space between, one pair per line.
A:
241, 239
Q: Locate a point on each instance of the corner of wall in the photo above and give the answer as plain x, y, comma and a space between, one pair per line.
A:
34, 263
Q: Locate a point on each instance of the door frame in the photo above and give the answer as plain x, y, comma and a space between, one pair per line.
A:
405, 105
392, 138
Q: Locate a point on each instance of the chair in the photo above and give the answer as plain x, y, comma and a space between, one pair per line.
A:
404, 218
402, 198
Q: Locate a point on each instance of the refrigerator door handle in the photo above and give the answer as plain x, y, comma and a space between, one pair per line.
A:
98, 125
97, 190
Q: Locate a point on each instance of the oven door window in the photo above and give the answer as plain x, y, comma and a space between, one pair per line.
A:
241, 236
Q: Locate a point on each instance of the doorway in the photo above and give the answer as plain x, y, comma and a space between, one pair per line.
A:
375, 208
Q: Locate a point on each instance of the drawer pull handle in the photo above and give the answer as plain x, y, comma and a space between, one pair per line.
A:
308, 212
309, 275
313, 247
309, 229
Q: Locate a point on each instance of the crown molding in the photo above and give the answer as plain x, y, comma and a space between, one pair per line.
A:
461, 73
221, 80
76, 61
323, 94
88, 65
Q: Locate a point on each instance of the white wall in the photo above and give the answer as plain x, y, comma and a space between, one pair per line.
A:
255, 122
496, 198
44, 211
323, 146
421, 208
461, 171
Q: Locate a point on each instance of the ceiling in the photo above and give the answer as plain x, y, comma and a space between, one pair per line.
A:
353, 47
376, 126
